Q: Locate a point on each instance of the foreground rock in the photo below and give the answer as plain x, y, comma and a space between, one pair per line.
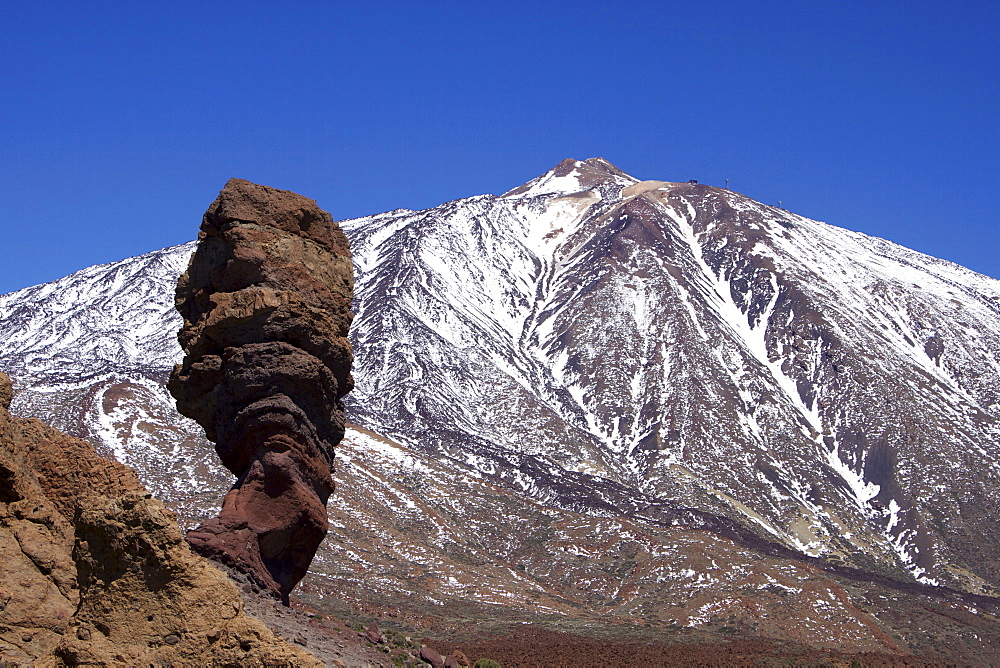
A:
266, 308
96, 572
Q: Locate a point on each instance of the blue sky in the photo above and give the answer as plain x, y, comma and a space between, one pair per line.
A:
121, 121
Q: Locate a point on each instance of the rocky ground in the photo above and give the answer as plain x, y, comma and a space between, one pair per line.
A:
919, 630
533, 646
330, 639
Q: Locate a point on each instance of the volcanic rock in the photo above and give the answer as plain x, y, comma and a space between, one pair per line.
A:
96, 572
6, 392
432, 657
457, 659
373, 634
266, 307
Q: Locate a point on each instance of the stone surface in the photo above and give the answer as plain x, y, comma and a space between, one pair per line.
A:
373, 634
147, 599
6, 392
432, 656
457, 659
96, 572
266, 307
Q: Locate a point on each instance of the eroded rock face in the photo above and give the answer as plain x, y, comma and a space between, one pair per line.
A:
147, 599
266, 307
96, 572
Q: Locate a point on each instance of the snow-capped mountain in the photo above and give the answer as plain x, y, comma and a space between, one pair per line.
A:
595, 349
90, 354
643, 347
110, 317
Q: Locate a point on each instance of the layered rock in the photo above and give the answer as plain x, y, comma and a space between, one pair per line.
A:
266, 307
96, 572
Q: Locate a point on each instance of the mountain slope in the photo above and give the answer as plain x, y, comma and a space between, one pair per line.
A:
109, 317
683, 345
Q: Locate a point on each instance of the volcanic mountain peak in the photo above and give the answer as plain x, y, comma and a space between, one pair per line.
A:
644, 333
573, 176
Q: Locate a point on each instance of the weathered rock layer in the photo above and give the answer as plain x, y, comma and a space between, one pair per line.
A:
266, 307
96, 572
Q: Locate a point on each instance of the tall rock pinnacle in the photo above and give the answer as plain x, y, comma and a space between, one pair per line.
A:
266, 307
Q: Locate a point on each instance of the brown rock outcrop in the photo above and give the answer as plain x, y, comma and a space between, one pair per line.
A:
431, 656
38, 591
457, 659
374, 633
96, 571
266, 307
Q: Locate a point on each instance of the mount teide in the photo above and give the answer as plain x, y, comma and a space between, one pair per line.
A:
640, 348
599, 358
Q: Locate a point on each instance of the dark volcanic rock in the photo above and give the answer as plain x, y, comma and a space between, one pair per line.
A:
431, 656
457, 659
266, 308
374, 633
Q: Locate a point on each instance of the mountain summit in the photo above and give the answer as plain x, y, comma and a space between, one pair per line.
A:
572, 176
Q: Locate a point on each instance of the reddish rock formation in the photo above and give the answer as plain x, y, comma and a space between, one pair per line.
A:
374, 633
457, 659
266, 307
431, 656
96, 572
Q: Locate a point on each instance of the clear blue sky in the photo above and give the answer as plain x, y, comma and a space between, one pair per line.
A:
120, 121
